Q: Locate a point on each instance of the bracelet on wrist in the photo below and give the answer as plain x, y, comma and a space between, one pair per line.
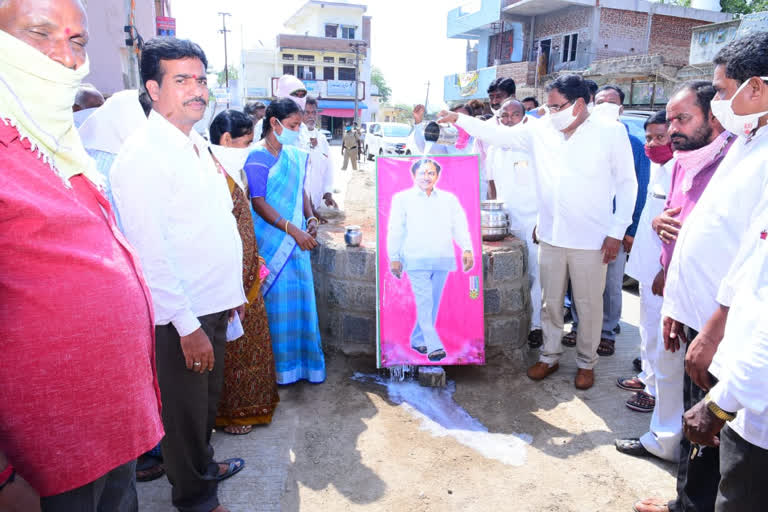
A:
313, 218
286, 226
7, 476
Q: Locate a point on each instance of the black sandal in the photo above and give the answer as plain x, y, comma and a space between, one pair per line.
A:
148, 468
235, 464
569, 340
421, 349
606, 348
436, 355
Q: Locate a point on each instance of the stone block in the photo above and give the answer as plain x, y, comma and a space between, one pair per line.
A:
513, 299
492, 298
352, 295
432, 376
358, 329
361, 264
507, 265
505, 331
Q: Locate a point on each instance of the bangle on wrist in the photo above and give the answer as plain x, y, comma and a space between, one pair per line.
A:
717, 411
312, 218
286, 226
7, 475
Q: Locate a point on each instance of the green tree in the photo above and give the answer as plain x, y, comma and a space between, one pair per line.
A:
221, 78
377, 79
744, 6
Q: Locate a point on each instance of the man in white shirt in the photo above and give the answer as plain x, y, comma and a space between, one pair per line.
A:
176, 211
662, 370
499, 91
696, 293
581, 164
514, 180
319, 181
424, 224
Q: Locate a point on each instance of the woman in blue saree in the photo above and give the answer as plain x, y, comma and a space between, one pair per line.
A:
285, 232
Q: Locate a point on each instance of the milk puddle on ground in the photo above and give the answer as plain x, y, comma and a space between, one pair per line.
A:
441, 416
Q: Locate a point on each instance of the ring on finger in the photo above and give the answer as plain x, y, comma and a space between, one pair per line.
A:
197, 363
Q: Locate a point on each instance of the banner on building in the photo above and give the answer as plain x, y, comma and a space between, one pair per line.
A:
317, 88
467, 82
429, 261
340, 88
166, 26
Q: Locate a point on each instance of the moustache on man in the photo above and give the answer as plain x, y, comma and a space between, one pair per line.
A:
197, 99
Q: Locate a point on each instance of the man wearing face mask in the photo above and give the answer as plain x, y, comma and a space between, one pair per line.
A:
499, 91
78, 390
176, 209
609, 106
699, 285
581, 164
658, 386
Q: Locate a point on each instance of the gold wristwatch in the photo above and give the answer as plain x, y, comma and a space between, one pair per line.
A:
717, 411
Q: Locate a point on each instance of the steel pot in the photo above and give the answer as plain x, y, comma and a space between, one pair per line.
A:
353, 236
494, 234
494, 222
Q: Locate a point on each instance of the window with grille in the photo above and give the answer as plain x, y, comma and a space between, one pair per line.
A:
331, 31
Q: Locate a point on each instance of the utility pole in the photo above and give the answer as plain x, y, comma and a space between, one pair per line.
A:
357, 46
226, 61
426, 101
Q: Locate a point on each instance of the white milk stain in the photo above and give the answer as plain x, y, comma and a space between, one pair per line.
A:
441, 416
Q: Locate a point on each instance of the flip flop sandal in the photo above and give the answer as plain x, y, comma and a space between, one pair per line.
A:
235, 464
238, 430
641, 402
436, 355
569, 340
149, 468
421, 349
606, 348
651, 505
631, 384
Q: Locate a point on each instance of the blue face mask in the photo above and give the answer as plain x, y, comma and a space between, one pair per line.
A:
288, 137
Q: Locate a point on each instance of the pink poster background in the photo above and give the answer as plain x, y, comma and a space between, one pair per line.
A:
460, 323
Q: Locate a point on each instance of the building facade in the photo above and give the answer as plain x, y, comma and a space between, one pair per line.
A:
321, 52
531, 39
113, 61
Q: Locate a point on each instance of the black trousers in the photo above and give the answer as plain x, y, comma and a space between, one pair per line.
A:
743, 467
113, 492
189, 415
698, 472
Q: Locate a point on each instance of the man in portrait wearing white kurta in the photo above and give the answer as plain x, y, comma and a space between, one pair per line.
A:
424, 224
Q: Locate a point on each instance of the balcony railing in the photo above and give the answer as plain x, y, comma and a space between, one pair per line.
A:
330, 44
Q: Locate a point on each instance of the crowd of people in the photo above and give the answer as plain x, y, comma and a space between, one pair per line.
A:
163, 277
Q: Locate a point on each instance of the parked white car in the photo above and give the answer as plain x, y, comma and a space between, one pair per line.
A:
387, 139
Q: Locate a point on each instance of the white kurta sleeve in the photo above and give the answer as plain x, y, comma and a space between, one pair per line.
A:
518, 137
140, 191
328, 170
416, 137
460, 226
396, 228
624, 181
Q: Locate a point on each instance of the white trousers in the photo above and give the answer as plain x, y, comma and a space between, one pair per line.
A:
650, 320
533, 274
666, 371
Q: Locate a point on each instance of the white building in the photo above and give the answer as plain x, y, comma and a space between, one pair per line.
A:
113, 62
319, 50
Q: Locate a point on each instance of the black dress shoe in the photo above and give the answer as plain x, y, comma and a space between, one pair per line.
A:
632, 446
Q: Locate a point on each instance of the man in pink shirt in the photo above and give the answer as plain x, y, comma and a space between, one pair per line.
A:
79, 397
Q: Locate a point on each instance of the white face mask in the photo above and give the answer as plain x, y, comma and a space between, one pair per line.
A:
590, 107
562, 119
741, 125
607, 110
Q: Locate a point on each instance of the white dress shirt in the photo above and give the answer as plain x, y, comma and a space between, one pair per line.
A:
422, 229
713, 232
741, 360
645, 259
319, 180
577, 178
176, 211
515, 178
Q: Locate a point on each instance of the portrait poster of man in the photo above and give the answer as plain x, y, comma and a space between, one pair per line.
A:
429, 261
